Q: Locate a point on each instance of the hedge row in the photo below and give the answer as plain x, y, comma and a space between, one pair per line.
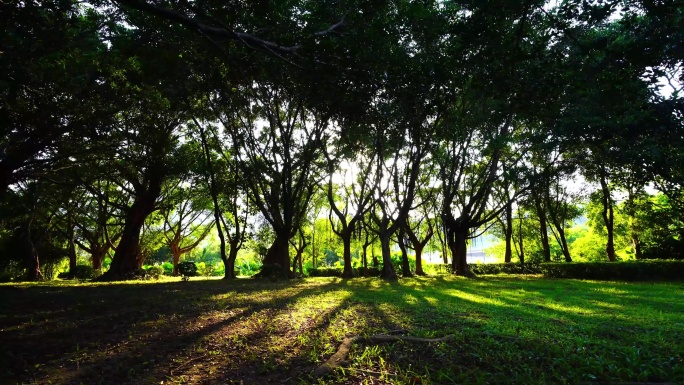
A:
337, 272
620, 271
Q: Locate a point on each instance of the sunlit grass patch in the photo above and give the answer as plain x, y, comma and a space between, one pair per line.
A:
506, 330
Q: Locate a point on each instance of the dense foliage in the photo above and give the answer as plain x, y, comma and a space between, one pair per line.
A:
288, 136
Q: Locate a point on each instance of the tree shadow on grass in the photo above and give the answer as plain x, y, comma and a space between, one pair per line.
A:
112, 333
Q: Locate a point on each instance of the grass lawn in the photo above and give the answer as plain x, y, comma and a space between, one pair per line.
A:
506, 330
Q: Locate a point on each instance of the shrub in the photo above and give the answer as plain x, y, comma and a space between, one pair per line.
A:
155, 271
187, 268
168, 268
326, 272
206, 269
624, 271
504, 268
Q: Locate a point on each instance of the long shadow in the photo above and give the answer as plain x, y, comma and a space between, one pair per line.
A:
93, 310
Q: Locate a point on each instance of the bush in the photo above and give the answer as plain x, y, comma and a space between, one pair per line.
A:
326, 272
187, 268
206, 269
155, 271
625, 271
168, 268
504, 268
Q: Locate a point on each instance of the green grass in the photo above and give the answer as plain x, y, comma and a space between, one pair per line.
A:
507, 330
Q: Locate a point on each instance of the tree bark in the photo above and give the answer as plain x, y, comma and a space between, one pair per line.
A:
636, 242
419, 260
608, 218
126, 257
405, 265
508, 234
278, 256
543, 231
230, 262
346, 255
458, 240
33, 272
98, 256
388, 272
175, 254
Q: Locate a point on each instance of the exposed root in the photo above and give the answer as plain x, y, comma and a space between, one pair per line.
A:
339, 359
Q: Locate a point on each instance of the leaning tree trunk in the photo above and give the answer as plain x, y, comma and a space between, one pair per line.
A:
564, 246
277, 259
125, 260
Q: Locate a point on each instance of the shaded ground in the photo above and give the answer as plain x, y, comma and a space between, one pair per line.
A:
507, 330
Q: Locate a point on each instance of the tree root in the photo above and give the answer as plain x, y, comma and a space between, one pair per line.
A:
339, 359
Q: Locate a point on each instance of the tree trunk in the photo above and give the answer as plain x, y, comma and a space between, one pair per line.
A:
636, 242
405, 265
229, 264
419, 259
543, 231
388, 272
175, 253
277, 259
564, 245
98, 256
126, 257
508, 234
458, 240
346, 255
33, 272
608, 218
